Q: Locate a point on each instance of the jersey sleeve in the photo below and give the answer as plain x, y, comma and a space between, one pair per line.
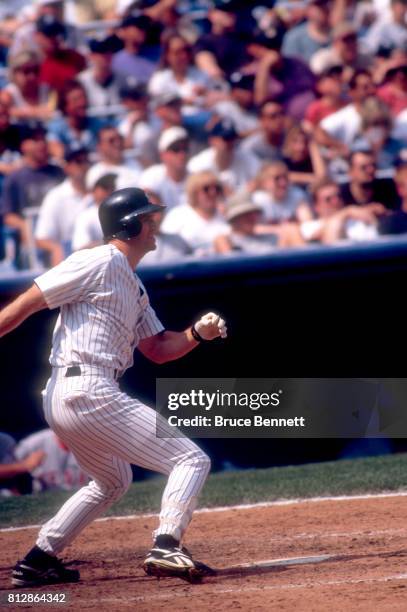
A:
73, 280
150, 325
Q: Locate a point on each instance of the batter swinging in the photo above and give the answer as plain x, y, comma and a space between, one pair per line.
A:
104, 314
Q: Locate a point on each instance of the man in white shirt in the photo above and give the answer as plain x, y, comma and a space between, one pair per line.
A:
167, 179
101, 86
61, 206
87, 231
339, 130
389, 30
233, 166
111, 152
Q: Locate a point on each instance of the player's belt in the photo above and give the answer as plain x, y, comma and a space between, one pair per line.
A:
84, 370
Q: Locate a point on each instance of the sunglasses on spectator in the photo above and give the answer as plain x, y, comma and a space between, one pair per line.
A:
274, 115
178, 147
210, 187
332, 196
113, 139
29, 69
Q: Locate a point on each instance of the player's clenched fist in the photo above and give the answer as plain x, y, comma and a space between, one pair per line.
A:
210, 326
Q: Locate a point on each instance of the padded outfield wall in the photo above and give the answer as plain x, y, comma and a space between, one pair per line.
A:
317, 312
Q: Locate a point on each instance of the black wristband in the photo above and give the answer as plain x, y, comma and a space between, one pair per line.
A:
195, 334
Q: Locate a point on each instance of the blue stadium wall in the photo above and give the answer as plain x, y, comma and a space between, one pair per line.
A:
319, 312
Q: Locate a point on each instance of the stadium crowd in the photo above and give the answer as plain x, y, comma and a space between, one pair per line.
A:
257, 124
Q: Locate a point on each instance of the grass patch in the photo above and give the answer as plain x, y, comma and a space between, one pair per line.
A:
345, 477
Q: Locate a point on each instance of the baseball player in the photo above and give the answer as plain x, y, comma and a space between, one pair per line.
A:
104, 314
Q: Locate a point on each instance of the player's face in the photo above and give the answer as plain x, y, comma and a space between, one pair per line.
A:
149, 230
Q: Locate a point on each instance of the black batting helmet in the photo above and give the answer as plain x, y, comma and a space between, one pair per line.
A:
118, 214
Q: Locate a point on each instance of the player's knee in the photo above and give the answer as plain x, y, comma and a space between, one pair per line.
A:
202, 461
113, 492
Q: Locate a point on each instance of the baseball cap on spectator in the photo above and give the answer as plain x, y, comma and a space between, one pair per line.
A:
319, 2
50, 26
241, 81
272, 40
22, 58
45, 2
343, 30
31, 131
225, 129
237, 208
393, 70
230, 6
132, 89
166, 99
73, 152
136, 19
170, 136
110, 44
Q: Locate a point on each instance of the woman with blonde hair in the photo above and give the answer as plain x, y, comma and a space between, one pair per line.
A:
302, 156
28, 98
279, 200
200, 220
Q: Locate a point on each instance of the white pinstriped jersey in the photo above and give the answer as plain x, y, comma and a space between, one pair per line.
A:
105, 310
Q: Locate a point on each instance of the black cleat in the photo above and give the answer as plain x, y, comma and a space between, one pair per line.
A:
40, 568
175, 562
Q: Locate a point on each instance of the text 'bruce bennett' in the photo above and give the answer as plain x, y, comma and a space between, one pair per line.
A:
220, 421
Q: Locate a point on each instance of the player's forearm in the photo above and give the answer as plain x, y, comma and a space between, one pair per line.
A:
25, 305
170, 345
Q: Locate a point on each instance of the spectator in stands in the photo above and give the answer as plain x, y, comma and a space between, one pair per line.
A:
223, 50
234, 166
74, 128
169, 247
59, 64
363, 186
339, 130
24, 38
376, 130
58, 469
334, 221
344, 52
87, 231
198, 221
302, 157
286, 79
243, 216
101, 86
388, 30
238, 104
167, 109
179, 74
15, 476
307, 38
61, 207
110, 148
393, 91
130, 60
278, 198
10, 158
85, 11
139, 128
330, 88
27, 186
28, 98
266, 144
395, 222
168, 179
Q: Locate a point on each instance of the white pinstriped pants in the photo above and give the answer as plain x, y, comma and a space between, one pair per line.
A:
106, 431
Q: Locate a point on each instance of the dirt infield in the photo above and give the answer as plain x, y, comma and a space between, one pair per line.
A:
316, 556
